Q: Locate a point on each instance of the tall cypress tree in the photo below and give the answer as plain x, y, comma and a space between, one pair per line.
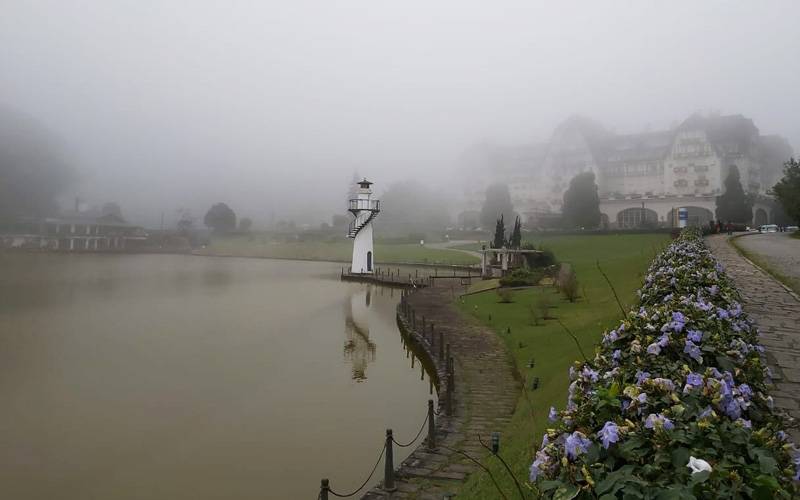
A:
734, 205
516, 234
499, 233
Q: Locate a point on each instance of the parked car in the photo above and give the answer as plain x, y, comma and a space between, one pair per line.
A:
768, 228
790, 229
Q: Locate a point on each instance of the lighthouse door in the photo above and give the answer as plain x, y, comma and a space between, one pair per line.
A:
369, 262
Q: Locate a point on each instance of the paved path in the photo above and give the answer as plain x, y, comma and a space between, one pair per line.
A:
450, 245
485, 397
776, 311
779, 251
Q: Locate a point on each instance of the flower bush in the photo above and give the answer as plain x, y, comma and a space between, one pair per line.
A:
674, 403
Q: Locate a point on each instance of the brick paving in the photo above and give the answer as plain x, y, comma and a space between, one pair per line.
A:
485, 396
776, 312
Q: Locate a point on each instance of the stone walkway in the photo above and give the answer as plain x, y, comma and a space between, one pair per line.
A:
776, 311
485, 396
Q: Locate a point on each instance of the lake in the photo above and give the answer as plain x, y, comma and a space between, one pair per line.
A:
178, 377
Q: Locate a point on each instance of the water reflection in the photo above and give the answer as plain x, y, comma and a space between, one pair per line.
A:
359, 350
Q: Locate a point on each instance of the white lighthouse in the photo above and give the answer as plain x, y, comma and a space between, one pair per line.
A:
364, 209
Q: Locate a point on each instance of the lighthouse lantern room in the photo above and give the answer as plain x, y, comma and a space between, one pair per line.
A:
364, 208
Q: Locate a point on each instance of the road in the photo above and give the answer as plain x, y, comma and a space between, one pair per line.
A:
778, 251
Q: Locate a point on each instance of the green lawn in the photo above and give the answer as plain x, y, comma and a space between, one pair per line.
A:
338, 251
624, 258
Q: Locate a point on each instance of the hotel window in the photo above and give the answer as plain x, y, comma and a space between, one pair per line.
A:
680, 183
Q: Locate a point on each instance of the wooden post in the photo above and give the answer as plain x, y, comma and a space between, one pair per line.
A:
431, 426
388, 470
324, 487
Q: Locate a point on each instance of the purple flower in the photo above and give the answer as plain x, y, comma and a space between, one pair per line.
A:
663, 341
745, 391
608, 434
693, 351
713, 289
611, 337
694, 335
736, 310
553, 415
678, 321
590, 374
694, 379
781, 435
642, 398
616, 355
641, 377
654, 420
705, 413
535, 469
722, 313
733, 408
654, 349
576, 444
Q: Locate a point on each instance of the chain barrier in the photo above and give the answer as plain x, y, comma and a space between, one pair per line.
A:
380, 457
422, 428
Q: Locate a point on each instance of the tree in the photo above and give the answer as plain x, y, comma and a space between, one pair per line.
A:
499, 234
245, 223
734, 205
787, 190
33, 171
581, 202
220, 218
516, 234
497, 203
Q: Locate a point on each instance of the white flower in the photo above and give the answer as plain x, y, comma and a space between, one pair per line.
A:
698, 465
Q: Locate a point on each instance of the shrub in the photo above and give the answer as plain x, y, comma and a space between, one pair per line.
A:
536, 260
680, 377
506, 295
522, 277
568, 285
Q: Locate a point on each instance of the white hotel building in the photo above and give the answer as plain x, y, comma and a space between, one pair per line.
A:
642, 178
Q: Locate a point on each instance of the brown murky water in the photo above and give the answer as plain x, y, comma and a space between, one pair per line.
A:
177, 377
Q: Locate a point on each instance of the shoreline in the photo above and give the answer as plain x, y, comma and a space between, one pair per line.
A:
482, 393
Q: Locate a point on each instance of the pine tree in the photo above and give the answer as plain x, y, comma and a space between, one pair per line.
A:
516, 235
734, 205
499, 234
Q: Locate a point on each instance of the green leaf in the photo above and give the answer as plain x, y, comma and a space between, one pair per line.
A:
566, 492
680, 457
549, 485
699, 477
676, 493
768, 465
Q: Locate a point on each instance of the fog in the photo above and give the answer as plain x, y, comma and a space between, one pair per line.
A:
272, 106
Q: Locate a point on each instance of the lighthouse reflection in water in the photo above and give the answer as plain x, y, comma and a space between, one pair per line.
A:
359, 350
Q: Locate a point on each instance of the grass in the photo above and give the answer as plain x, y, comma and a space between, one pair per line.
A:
337, 251
761, 262
624, 258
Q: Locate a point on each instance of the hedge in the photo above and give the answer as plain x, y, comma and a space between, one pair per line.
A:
674, 404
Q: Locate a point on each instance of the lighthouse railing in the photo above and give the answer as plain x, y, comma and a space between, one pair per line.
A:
362, 204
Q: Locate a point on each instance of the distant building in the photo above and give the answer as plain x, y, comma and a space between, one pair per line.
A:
642, 178
72, 233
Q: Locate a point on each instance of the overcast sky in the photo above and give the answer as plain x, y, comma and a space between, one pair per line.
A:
273, 105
